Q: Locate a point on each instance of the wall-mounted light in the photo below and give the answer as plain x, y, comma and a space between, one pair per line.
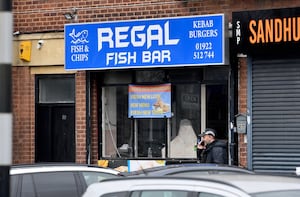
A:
71, 15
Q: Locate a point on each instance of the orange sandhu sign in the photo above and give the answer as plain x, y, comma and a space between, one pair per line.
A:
268, 32
274, 30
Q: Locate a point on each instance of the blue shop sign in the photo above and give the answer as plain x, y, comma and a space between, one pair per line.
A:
166, 42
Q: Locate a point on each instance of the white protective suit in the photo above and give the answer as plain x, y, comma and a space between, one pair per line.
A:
182, 146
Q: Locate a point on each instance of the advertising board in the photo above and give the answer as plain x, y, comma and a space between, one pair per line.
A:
165, 42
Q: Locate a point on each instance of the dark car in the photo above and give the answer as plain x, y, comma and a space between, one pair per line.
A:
56, 180
190, 170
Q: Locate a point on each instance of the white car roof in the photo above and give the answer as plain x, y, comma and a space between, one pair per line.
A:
255, 183
162, 183
25, 169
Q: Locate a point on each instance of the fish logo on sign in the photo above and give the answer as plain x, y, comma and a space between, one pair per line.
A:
80, 37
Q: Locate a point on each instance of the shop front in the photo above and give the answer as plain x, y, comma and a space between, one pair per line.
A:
270, 39
195, 98
158, 82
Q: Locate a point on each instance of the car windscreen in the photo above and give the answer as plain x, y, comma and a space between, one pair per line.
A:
94, 177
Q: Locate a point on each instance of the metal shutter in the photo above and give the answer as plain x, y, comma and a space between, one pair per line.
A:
275, 115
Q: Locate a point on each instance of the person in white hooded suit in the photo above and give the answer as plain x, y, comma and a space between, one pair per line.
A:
182, 146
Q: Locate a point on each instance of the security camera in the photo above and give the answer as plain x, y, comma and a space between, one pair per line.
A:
16, 33
39, 44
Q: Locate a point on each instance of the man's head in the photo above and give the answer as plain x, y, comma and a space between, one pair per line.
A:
208, 136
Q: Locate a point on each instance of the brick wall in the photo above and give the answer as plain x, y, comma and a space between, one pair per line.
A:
80, 117
23, 115
23, 96
47, 15
242, 107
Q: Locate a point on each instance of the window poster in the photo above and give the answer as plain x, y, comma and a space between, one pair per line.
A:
135, 165
149, 101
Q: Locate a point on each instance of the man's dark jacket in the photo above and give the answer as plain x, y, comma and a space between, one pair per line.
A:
215, 152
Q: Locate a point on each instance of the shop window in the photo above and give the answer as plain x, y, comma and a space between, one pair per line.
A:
185, 75
56, 90
187, 105
117, 132
120, 77
194, 105
216, 109
216, 74
151, 137
150, 76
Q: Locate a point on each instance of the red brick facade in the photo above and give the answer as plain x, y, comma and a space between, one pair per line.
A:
23, 115
31, 16
47, 15
80, 120
242, 105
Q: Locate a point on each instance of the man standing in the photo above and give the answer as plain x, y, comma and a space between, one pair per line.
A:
211, 150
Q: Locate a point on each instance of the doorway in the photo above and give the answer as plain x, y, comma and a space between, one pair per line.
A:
55, 137
55, 118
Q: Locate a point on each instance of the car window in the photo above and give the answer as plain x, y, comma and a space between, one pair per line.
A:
116, 194
287, 193
27, 186
204, 194
160, 193
55, 184
94, 177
